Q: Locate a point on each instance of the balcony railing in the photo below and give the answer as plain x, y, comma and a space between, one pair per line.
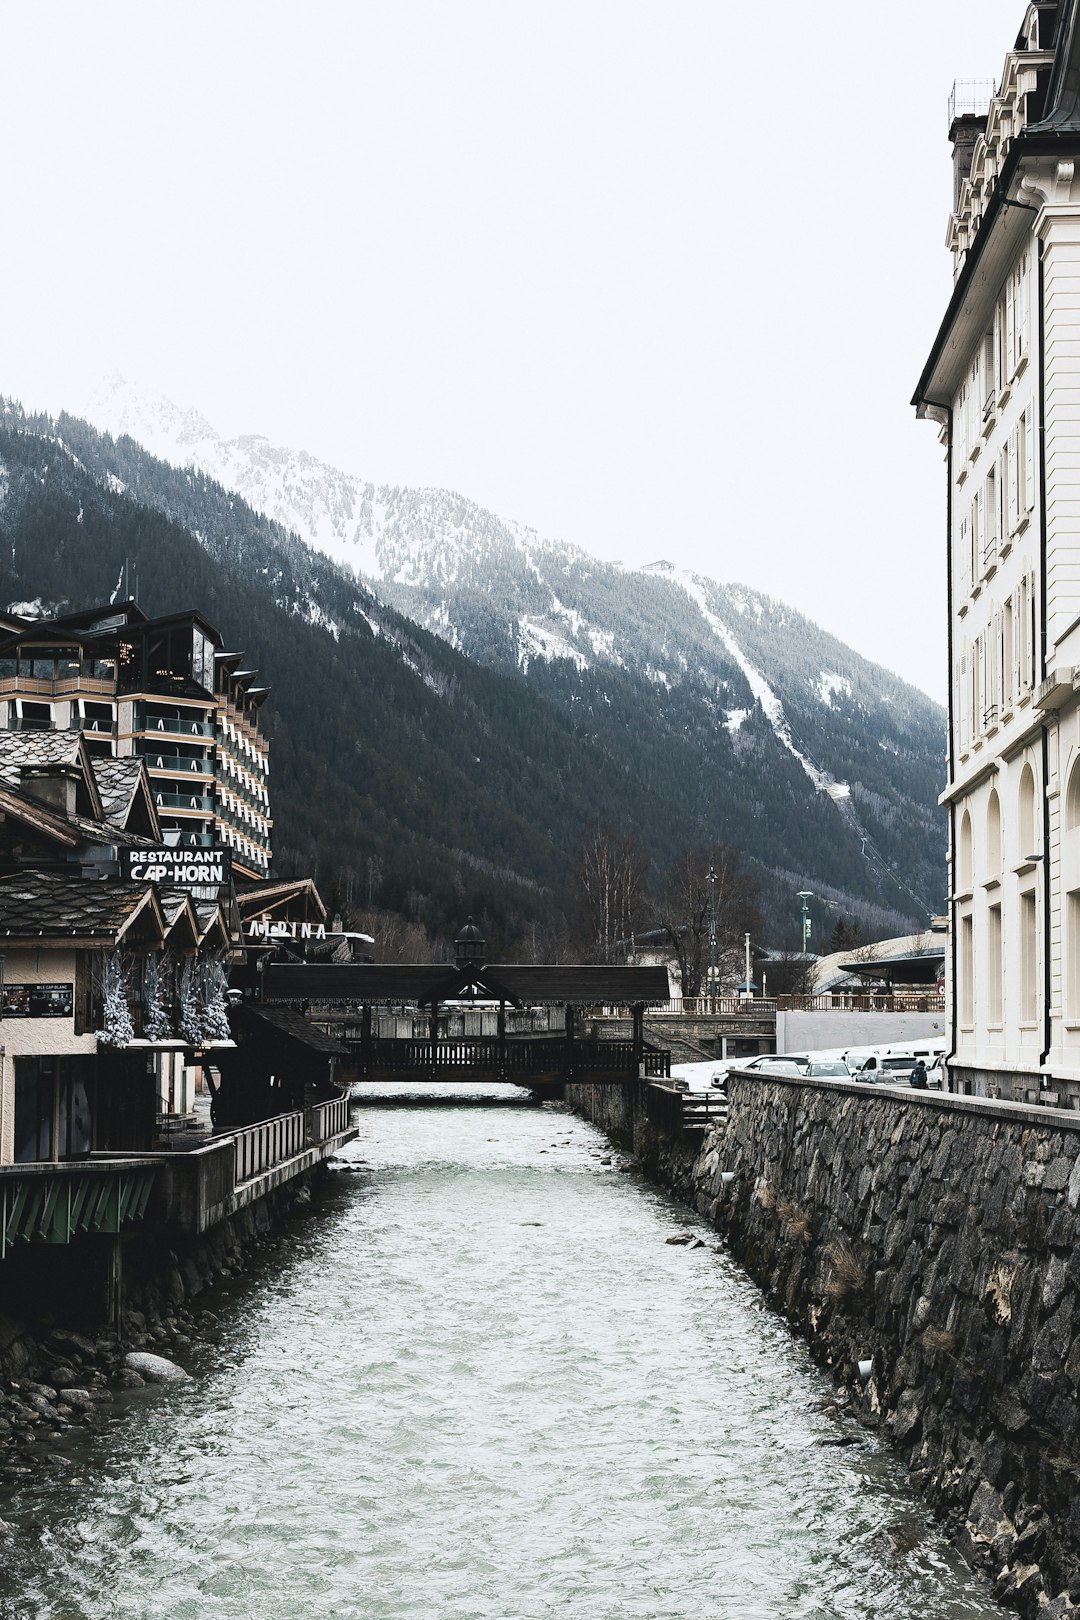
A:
327, 1119
161, 725
176, 764
259, 1147
184, 801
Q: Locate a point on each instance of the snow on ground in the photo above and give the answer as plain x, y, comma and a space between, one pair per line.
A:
829, 684
536, 640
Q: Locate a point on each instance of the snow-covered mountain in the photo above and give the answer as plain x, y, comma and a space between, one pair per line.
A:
700, 657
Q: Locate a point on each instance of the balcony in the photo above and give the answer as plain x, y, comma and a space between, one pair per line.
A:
200, 802
160, 725
177, 764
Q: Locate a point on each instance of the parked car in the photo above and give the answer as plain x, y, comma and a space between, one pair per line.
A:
828, 1069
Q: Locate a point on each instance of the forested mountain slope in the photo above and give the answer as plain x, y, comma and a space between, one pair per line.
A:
450, 765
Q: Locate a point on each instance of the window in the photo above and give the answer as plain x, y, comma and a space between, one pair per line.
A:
1029, 1002
993, 966
991, 512
993, 837
963, 856
1008, 666
1025, 821
52, 1108
966, 965
1072, 954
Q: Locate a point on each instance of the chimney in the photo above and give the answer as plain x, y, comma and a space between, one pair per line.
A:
964, 132
969, 108
56, 785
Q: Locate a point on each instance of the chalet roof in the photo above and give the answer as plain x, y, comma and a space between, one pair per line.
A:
118, 782
19, 749
255, 898
284, 1023
46, 905
528, 984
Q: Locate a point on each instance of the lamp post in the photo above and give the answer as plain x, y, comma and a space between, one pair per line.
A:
713, 973
804, 896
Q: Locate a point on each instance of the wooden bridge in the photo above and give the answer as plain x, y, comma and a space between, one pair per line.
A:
341, 997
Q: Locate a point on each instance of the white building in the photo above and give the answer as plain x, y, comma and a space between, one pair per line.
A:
1003, 383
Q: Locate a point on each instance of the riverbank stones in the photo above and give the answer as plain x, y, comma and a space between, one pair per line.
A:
155, 1369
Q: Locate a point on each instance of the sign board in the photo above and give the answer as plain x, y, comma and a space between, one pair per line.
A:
37, 1001
266, 928
180, 863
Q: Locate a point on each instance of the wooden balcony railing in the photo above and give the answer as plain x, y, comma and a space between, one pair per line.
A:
327, 1119
260, 1147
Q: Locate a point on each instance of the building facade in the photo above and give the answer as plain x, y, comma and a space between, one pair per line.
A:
164, 691
1003, 384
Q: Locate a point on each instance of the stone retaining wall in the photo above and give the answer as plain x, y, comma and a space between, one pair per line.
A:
937, 1239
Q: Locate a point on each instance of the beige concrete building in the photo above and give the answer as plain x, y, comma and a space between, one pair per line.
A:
1003, 384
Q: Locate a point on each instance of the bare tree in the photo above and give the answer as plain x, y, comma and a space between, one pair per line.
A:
684, 913
609, 877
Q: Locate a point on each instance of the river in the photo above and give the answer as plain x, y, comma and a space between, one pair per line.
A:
478, 1383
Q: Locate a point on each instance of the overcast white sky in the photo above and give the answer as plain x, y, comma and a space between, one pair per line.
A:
655, 276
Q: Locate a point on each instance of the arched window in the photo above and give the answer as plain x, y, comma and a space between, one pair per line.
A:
963, 856
1072, 800
1026, 815
993, 837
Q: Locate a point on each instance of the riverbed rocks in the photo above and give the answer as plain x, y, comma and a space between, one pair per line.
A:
155, 1369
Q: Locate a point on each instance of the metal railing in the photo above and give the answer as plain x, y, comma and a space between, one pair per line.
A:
928, 1000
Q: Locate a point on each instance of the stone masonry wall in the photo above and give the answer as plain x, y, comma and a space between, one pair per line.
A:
936, 1238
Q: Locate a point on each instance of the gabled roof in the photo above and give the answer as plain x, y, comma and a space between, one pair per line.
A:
37, 748
181, 922
124, 787
271, 899
284, 1024
36, 906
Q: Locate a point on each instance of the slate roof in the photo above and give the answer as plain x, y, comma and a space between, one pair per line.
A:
19, 748
292, 1026
117, 782
45, 905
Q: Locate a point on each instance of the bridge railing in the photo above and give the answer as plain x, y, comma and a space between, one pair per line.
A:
511, 1058
825, 1001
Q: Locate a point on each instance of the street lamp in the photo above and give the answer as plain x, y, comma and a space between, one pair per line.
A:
713, 973
803, 896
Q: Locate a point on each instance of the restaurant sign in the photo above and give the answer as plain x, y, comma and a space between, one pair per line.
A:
180, 863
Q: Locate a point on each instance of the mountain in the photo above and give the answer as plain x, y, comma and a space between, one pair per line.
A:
686, 710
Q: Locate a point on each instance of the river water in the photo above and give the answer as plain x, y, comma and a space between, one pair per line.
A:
478, 1383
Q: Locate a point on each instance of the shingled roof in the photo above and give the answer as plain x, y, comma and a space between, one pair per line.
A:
48, 906
19, 749
118, 781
